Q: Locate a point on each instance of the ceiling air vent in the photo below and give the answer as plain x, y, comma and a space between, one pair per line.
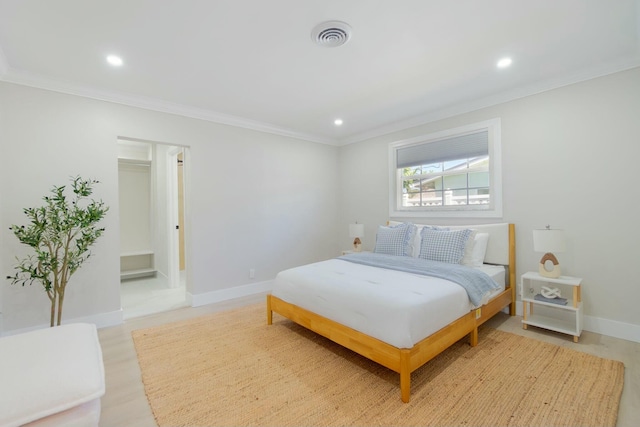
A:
331, 33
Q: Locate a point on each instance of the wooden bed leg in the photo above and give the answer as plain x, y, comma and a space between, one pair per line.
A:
269, 312
405, 376
512, 309
473, 337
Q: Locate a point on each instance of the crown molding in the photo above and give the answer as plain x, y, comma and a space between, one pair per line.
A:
627, 63
33, 80
38, 81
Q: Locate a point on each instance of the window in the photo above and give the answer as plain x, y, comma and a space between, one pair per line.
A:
454, 173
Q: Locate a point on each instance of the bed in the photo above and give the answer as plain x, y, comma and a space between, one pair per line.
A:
395, 315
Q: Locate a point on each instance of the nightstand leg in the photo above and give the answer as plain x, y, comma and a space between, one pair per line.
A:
524, 314
575, 338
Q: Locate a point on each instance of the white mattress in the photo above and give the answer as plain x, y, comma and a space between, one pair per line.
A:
496, 272
398, 308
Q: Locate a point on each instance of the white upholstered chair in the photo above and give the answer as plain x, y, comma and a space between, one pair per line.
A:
51, 377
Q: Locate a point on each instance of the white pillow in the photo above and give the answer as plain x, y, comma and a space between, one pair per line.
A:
468, 247
475, 257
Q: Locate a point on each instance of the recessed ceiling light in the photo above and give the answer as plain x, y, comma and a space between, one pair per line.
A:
504, 63
114, 60
337, 122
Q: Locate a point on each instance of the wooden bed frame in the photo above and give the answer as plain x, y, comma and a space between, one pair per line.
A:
404, 360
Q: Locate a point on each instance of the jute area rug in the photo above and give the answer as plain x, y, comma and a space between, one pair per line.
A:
232, 369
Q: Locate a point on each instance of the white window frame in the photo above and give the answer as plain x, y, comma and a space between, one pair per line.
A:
493, 210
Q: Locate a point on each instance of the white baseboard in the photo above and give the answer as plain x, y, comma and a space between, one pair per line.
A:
101, 320
598, 325
612, 328
196, 300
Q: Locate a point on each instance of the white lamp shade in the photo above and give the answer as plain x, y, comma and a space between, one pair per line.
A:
547, 240
356, 230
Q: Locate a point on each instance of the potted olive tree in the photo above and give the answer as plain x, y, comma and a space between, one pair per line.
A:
60, 234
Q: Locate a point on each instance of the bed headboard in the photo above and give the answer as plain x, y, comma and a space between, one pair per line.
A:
501, 246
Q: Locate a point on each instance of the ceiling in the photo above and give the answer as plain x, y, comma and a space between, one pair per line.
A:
252, 63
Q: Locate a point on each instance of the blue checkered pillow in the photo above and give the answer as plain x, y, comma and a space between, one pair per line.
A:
443, 246
395, 240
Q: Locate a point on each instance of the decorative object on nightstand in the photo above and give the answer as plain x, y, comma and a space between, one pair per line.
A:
551, 295
356, 231
548, 241
548, 292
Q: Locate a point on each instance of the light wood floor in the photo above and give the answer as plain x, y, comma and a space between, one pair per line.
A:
125, 403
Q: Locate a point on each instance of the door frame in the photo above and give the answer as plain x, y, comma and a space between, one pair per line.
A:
173, 261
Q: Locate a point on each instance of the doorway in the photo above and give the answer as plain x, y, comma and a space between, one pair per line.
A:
153, 263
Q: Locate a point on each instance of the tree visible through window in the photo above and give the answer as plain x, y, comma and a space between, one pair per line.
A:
453, 183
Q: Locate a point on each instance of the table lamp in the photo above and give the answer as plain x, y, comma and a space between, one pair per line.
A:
547, 240
356, 231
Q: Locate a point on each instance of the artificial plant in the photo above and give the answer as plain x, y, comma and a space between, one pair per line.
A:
60, 233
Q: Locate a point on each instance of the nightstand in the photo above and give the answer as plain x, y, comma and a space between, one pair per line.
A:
550, 315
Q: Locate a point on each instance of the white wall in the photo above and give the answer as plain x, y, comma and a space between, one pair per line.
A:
134, 182
570, 159
256, 200
268, 202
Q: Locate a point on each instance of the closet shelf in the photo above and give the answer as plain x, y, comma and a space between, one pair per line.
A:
134, 274
135, 264
137, 253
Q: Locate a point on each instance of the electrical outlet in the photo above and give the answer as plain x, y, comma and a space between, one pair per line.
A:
252, 273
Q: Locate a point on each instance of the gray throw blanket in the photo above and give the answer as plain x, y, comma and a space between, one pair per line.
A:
477, 283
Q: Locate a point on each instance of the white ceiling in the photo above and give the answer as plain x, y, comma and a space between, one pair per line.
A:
252, 63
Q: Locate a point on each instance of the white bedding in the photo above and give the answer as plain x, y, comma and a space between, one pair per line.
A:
396, 307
